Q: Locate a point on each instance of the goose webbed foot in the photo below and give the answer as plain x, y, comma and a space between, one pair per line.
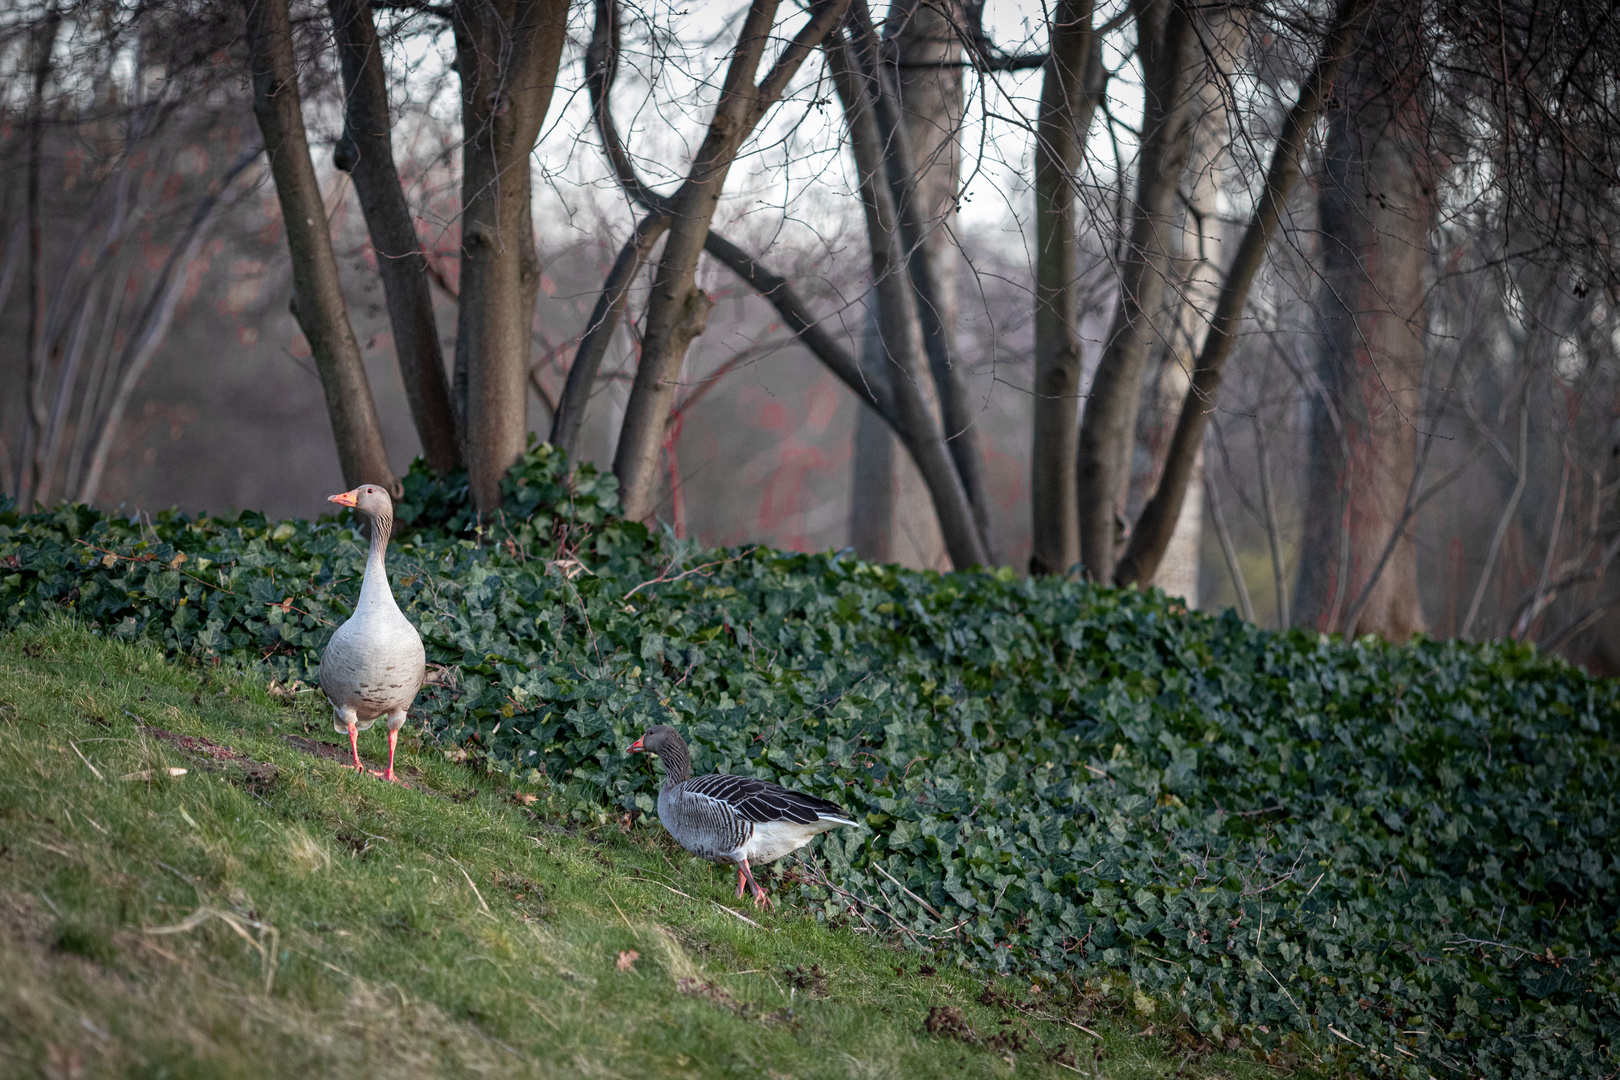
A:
761, 900
388, 773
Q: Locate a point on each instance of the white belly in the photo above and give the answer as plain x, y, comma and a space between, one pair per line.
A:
774, 839
374, 665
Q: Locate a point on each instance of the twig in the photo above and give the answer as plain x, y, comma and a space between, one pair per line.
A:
716, 903
903, 928
926, 905
620, 910
286, 607
267, 953
151, 558
1229, 550
86, 761
474, 888
1273, 538
661, 579
1536, 605
1071, 1023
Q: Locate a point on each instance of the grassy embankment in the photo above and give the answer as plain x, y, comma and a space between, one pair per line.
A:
275, 915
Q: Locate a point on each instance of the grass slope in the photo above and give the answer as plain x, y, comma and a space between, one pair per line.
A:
312, 922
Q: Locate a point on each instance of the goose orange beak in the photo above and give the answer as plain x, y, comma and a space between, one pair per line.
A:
635, 748
348, 498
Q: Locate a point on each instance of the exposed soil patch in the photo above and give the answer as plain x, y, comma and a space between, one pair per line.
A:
215, 755
812, 979
947, 1022
341, 755
708, 991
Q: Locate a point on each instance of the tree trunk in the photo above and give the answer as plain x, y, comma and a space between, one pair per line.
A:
1377, 208
678, 309
1070, 90
1108, 431
318, 302
366, 152
872, 492
1195, 275
892, 518
1156, 525
917, 104
507, 55
42, 42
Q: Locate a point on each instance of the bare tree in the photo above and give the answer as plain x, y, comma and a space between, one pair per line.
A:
366, 152
893, 350
40, 42
507, 54
1195, 269
1167, 44
1378, 208
1071, 86
318, 302
678, 309
1156, 524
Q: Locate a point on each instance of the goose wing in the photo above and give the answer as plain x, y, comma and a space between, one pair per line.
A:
761, 801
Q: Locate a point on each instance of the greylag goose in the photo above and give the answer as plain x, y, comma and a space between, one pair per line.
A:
733, 819
374, 664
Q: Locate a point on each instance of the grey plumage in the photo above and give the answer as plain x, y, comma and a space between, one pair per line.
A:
733, 819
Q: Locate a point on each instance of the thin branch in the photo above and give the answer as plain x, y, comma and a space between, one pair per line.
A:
1245, 605
1502, 523
1537, 603
1156, 524
1273, 539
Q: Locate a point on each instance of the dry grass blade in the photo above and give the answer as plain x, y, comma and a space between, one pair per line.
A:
267, 952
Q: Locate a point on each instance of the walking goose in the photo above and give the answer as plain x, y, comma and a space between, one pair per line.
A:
374, 664
733, 819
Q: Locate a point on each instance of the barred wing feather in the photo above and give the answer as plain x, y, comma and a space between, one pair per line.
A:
760, 801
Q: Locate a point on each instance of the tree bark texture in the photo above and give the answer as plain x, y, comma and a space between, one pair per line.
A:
41, 43
889, 500
1377, 208
1156, 525
889, 506
678, 309
318, 302
1168, 42
1195, 276
507, 56
366, 152
922, 189
872, 489
1070, 88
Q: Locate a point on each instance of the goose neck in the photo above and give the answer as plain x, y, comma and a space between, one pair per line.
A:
374, 586
677, 765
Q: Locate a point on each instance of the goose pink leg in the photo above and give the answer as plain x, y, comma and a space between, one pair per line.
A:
395, 722
393, 738
760, 899
354, 746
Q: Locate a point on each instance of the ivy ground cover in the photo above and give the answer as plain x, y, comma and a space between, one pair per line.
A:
1396, 860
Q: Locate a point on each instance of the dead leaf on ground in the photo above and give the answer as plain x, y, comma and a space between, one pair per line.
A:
147, 774
627, 960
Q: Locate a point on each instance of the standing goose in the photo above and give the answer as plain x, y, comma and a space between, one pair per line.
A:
374, 664
733, 819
